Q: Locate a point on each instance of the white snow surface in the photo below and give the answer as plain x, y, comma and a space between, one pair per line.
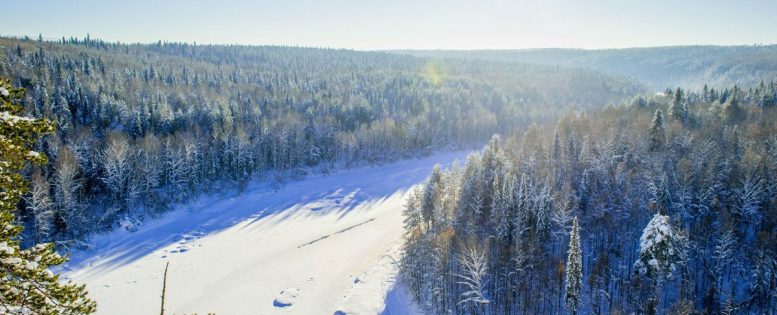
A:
324, 244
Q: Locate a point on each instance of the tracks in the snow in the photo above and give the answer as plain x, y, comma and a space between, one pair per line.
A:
338, 232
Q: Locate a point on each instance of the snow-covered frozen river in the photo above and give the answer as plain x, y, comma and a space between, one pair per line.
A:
318, 245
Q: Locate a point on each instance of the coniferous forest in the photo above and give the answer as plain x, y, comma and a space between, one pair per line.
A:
592, 193
388, 157
140, 127
661, 205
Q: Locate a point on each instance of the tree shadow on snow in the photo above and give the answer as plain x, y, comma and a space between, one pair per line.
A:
259, 207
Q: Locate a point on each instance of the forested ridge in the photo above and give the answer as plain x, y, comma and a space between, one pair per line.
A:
143, 126
660, 67
661, 205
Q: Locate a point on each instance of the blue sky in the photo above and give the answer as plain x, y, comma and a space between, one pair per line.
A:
402, 24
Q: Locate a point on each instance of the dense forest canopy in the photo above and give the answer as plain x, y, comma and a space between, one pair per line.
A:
388, 157
660, 67
663, 205
632, 202
140, 127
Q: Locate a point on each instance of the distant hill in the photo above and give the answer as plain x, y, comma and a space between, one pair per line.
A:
660, 67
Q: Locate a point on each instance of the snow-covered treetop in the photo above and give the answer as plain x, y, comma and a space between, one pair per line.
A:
657, 251
656, 232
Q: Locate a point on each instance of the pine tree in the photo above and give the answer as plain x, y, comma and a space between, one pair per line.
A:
678, 110
28, 286
574, 271
657, 137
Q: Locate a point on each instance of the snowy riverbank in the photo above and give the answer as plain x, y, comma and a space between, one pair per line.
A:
315, 246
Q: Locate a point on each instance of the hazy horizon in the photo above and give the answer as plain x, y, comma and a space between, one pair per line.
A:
81, 37
404, 24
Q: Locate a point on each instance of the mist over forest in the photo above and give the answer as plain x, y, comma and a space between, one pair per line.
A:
690, 67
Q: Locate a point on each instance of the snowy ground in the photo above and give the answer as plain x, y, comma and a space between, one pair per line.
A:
321, 245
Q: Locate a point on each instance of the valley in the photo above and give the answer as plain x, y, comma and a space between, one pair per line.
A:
334, 239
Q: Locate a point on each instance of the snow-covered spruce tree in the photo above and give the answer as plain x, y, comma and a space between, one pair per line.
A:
412, 212
27, 286
470, 197
657, 137
413, 262
503, 209
574, 271
430, 199
543, 206
678, 109
659, 255
658, 249
523, 207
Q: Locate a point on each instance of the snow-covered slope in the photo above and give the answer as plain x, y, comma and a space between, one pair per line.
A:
321, 245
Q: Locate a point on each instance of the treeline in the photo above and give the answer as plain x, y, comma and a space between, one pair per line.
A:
674, 197
660, 67
140, 127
